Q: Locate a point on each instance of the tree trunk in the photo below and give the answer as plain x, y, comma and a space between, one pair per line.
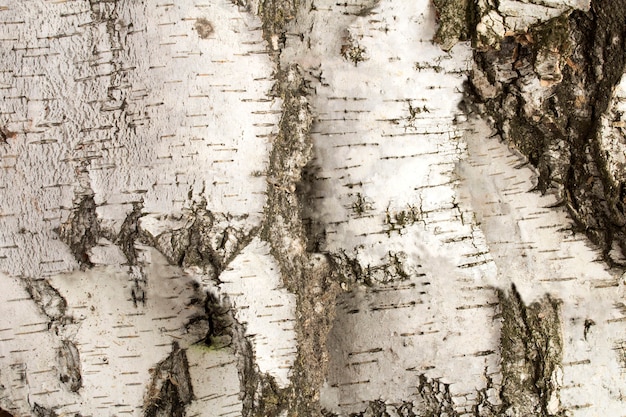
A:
307, 208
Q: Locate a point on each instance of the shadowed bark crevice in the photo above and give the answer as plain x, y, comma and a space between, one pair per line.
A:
207, 240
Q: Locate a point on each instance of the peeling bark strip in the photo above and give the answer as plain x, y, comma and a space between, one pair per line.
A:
170, 390
531, 350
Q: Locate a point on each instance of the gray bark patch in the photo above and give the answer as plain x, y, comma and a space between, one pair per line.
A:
47, 298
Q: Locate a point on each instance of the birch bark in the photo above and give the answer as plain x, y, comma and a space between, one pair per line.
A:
294, 208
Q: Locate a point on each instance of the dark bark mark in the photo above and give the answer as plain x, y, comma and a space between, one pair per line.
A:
129, 233
531, 351
43, 412
170, 390
220, 319
5, 135
207, 241
455, 22
348, 270
69, 366
81, 231
47, 298
204, 28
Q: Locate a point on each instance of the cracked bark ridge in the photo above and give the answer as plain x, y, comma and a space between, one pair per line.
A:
170, 389
207, 240
547, 91
81, 231
69, 366
531, 351
306, 275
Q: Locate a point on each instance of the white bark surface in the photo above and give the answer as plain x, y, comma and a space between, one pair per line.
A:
162, 117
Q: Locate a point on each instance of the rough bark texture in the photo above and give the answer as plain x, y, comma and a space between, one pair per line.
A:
309, 208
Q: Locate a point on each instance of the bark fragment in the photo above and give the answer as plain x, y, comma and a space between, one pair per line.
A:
47, 298
69, 365
556, 85
531, 350
170, 390
81, 231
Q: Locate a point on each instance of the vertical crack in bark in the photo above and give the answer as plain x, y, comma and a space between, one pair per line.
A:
170, 389
531, 350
